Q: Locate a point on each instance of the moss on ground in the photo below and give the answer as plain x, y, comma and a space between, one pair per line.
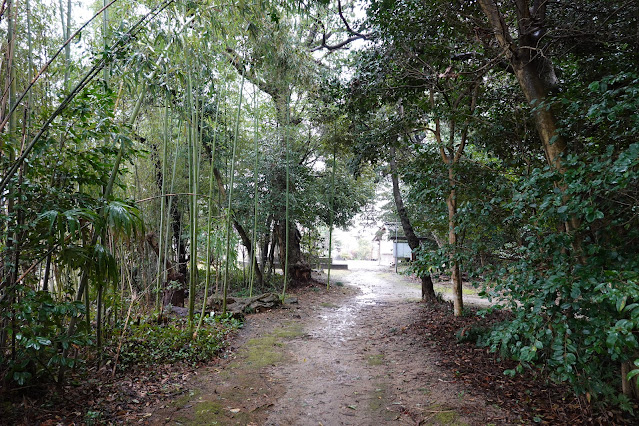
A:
378, 399
290, 330
444, 416
219, 408
445, 289
268, 350
377, 359
262, 352
208, 412
186, 398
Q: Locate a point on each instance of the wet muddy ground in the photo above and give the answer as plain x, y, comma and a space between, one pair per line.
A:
337, 357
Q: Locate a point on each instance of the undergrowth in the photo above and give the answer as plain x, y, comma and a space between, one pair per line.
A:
152, 343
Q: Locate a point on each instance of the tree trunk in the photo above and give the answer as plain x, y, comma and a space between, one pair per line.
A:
171, 296
428, 290
298, 270
271, 255
265, 246
534, 72
47, 272
536, 76
451, 156
182, 261
455, 276
246, 240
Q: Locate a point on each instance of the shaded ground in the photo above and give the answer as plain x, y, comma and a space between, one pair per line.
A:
346, 357
525, 395
365, 352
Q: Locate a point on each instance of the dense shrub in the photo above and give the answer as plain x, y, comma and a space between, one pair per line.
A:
38, 328
575, 294
153, 343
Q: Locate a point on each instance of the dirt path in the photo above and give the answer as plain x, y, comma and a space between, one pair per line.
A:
335, 358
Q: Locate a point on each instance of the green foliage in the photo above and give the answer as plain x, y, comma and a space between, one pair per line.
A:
473, 334
150, 343
574, 294
38, 324
122, 219
480, 222
558, 246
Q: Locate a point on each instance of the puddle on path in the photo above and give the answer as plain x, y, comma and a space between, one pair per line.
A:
337, 369
377, 287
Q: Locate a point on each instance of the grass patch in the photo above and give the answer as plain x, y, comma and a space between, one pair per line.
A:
377, 359
289, 331
328, 305
263, 351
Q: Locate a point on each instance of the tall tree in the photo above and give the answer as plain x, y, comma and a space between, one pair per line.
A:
277, 69
428, 290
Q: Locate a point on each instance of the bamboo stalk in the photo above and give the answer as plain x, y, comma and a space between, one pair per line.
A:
11, 240
88, 77
255, 196
105, 23
170, 205
230, 197
287, 231
162, 205
191, 215
208, 223
193, 182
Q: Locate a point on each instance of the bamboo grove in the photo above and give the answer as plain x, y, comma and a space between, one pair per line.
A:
153, 156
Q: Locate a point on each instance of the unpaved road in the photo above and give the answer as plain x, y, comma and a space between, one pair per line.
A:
338, 357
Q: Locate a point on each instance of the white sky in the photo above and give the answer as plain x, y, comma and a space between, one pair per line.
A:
81, 12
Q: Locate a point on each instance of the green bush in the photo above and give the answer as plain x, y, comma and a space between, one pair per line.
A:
575, 295
39, 326
151, 343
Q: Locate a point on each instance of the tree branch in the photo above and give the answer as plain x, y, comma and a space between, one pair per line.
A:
500, 29
354, 35
338, 45
239, 64
464, 135
348, 27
